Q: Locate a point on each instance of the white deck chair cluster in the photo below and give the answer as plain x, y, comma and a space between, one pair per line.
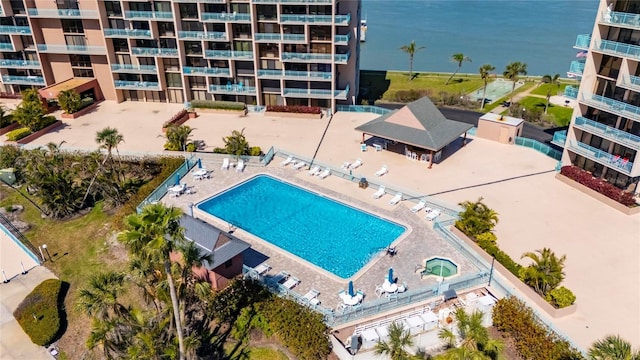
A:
396, 199
419, 206
432, 214
381, 191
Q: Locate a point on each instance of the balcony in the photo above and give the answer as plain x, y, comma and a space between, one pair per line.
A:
600, 156
608, 132
612, 106
23, 80
201, 1
342, 58
154, 52
134, 69
277, 37
583, 42
316, 93
315, 19
63, 13
559, 138
72, 49
148, 15
571, 92
299, 2
307, 75
137, 85
577, 68
228, 54
618, 49
630, 82
232, 89
621, 19
127, 33
19, 64
7, 47
225, 18
14, 30
342, 39
207, 71
201, 35
270, 74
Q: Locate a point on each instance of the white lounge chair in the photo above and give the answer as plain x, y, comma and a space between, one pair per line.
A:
356, 164
240, 166
378, 194
314, 171
291, 282
299, 165
396, 199
225, 164
383, 170
280, 277
287, 161
433, 214
346, 165
262, 268
325, 173
419, 206
312, 297
428, 210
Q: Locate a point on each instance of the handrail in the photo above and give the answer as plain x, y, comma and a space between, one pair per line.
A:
12, 231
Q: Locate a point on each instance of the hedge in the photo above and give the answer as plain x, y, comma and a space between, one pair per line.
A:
298, 109
18, 134
600, 185
39, 313
220, 105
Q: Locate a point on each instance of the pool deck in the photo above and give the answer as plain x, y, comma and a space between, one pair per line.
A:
535, 209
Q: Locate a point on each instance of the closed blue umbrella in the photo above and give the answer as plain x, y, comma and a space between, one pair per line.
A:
177, 179
390, 275
351, 292
199, 163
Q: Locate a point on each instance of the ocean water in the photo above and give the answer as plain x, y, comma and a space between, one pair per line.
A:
540, 33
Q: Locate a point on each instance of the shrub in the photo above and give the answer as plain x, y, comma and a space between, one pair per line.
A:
220, 105
298, 109
85, 102
18, 134
561, 297
39, 315
191, 147
406, 96
532, 339
487, 236
609, 190
219, 150
492, 249
255, 151
69, 101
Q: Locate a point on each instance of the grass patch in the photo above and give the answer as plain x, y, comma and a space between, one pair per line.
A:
498, 102
258, 353
39, 313
555, 90
558, 114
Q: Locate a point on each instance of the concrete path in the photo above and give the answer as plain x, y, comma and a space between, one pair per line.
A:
14, 343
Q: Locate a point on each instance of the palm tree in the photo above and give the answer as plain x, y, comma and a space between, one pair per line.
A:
458, 58
178, 137
236, 143
475, 342
551, 80
396, 346
5, 116
69, 101
612, 347
485, 74
476, 218
545, 273
153, 235
100, 298
411, 49
513, 72
109, 139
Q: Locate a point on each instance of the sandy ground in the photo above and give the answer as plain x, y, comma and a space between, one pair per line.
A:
601, 244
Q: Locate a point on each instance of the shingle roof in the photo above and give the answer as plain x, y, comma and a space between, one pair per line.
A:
210, 239
419, 123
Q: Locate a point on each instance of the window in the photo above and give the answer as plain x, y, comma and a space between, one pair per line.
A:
18, 7
75, 40
72, 26
175, 96
113, 8
228, 263
200, 95
116, 24
83, 73
174, 80
171, 64
188, 11
198, 82
193, 48
166, 29
120, 45
80, 60
67, 4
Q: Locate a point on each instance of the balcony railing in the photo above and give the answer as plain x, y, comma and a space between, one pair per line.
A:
63, 13
270, 74
23, 80
571, 92
293, 1
342, 58
307, 75
224, 17
559, 138
608, 132
342, 39
127, 33
228, 54
148, 15
154, 51
577, 67
612, 106
232, 89
6, 47
620, 18
135, 69
201, 1
618, 48
72, 49
189, 70
583, 42
308, 57
201, 35
600, 156
630, 82
317, 93
277, 37
11, 29
19, 64
137, 85
315, 19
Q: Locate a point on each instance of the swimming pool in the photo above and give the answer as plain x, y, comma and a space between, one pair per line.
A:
334, 236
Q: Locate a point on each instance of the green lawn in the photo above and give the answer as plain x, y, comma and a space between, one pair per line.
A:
561, 114
498, 102
555, 90
256, 353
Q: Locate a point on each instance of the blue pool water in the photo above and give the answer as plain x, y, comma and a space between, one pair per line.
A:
325, 232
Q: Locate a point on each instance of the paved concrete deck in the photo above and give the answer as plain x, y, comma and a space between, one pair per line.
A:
601, 244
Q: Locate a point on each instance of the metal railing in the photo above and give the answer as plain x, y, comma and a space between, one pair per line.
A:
316, 75
612, 106
577, 67
618, 48
317, 93
162, 190
228, 54
6, 46
190, 70
154, 51
233, 17
631, 82
139, 69
583, 41
342, 39
132, 33
199, 35
11, 29
611, 133
620, 18
601, 156
63, 13
571, 92
559, 138
137, 85
20, 239
305, 56
315, 19
19, 64
234, 89
293, 1
539, 147
72, 49
363, 108
23, 80
148, 15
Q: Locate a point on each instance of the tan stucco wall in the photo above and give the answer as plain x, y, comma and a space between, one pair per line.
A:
491, 130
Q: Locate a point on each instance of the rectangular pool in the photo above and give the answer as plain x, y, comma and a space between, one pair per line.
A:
334, 236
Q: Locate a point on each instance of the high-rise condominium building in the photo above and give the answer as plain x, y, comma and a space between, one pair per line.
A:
262, 52
604, 134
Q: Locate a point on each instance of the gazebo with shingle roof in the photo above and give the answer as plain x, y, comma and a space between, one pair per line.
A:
419, 124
